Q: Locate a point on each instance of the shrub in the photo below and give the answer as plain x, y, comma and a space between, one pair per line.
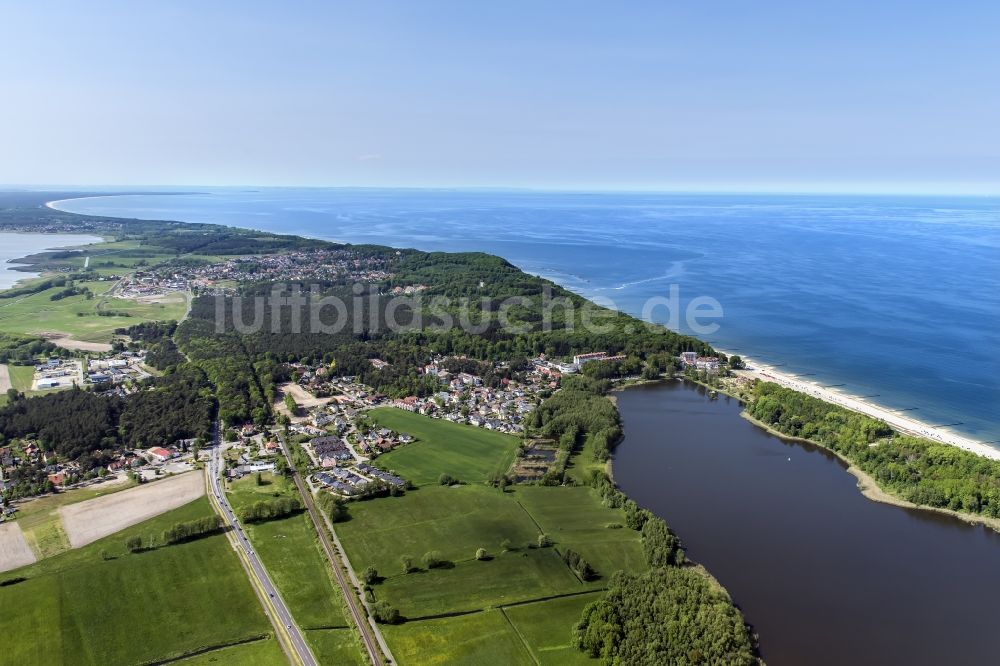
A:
481, 554
384, 613
370, 575
579, 565
434, 560
134, 543
544, 541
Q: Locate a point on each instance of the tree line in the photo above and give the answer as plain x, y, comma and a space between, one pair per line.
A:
916, 469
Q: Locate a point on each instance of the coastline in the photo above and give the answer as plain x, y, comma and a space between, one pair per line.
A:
904, 424
765, 372
26, 271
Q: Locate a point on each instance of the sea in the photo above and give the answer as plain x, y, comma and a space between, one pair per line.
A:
895, 298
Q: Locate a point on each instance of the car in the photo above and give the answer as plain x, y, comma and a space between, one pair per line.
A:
288, 626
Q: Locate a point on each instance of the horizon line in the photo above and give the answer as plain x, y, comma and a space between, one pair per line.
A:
137, 190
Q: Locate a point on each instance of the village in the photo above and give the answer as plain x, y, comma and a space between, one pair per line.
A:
329, 422
222, 277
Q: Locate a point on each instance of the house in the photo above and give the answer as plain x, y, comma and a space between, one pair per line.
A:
160, 454
257, 466
581, 359
689, 357
709, 363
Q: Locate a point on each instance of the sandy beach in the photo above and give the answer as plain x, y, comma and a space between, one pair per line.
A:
894, 418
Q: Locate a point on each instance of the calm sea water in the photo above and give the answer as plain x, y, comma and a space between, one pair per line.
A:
826, 576
14, 246
897, 297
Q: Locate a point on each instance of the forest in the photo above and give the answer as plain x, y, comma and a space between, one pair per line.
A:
76, 423
668, 615
916, 469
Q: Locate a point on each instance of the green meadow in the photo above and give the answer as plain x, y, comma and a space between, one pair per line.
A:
291, 551
465, 452
479, 638
77, 316
545, 627
178, 600
454, 520
21, 377
261, 652
518, 606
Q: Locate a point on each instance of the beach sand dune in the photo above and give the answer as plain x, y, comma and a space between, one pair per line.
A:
86, 522
14, 549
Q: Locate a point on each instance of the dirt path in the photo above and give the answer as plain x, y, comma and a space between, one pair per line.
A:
5, 384
86, 522
14, 549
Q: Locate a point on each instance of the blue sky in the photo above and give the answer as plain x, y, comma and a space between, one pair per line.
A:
888, 96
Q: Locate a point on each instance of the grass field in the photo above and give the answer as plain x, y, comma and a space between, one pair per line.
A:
21, 376
290, 550
467, 453
574, 518
77, 316
480, 638
264, 652
473, 585
545, 628
454, 520
520, 606
103, 605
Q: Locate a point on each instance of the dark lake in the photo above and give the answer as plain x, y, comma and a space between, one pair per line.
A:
825, 575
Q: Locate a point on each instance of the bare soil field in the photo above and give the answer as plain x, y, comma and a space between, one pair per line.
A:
302, 396
86, 522
4, 378
14, 549
65, 341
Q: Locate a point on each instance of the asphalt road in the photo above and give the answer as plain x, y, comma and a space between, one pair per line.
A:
280, 612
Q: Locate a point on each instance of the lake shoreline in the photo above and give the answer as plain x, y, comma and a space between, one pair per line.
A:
27, 270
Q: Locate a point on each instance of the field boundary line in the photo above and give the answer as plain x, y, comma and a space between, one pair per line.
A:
520, 637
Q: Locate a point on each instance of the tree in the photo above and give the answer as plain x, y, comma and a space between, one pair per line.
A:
482, 555
544, 541
434, 560
385, 613
447, 480
370, 575
505, 545
407, 563
134, 543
